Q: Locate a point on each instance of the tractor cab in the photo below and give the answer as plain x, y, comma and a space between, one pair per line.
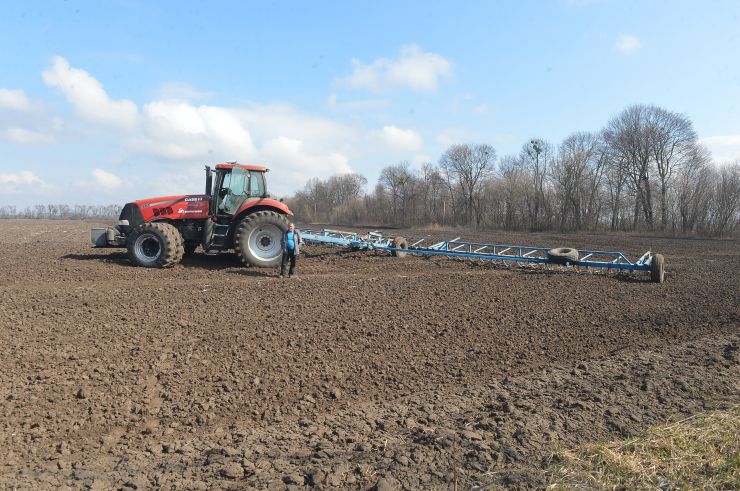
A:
231, 185
240, 207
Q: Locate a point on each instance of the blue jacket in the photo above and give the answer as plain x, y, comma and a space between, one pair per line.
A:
296, 241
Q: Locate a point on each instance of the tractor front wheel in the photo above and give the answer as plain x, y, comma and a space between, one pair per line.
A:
155, 245
257, 238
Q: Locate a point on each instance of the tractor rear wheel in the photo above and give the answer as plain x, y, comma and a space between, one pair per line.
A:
657, 269
563, 255
155, 245
257, 238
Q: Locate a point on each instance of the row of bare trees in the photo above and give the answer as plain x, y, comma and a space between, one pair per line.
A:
645, 170
75, 212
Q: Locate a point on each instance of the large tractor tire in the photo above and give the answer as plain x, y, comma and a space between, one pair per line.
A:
563, 255
155, 245
257, 238
657, 269
399, 243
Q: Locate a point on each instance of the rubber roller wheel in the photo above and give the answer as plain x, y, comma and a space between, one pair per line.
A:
563, 255
399, 243
657, 269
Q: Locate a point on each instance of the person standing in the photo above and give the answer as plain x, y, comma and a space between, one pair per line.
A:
291, 247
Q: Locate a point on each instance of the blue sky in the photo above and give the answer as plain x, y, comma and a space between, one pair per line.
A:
106, 102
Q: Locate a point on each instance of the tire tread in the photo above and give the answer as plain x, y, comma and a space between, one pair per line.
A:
172, 244
246, 224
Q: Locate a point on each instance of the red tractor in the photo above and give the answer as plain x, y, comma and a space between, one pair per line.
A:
235, 213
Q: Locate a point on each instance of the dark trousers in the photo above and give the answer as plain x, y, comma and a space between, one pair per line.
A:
288, 256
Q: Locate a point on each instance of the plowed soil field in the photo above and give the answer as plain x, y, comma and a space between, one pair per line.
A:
363, 371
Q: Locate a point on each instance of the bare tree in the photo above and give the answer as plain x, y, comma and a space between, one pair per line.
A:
616, 181
535, 158
402, 187
606, 179
514, 184
468, 166
629, 138
577, 173
433, 194
344, 188
672, 142
314, 195
693, 189
727, 197
326, 200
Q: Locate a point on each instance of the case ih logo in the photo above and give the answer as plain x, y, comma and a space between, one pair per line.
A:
193, 199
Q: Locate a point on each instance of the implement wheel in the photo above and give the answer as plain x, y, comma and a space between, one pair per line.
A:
657, 269
563, 255
155, 245
399, 243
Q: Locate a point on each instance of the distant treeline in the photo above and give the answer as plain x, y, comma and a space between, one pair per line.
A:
645, 170
61, 212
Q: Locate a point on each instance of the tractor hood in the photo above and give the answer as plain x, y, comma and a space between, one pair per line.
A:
185, 206
169, 200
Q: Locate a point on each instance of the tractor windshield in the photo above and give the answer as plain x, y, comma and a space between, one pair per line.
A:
239, 185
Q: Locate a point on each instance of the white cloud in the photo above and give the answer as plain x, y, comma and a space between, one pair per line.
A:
105, 180
21, 182
399, 138
356, 105
179, 131
88, 96
454, 136
23, 136
295, 162
182, 179
413, 69
627, 44
14, 99
296, 145
268, 121
724, 148
181, 91
102, 183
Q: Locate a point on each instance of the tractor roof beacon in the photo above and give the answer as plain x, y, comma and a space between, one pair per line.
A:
236, 212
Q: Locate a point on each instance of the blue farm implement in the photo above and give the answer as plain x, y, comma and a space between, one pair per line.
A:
653, 264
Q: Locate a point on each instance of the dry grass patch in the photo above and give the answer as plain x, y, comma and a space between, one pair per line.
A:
700, 452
